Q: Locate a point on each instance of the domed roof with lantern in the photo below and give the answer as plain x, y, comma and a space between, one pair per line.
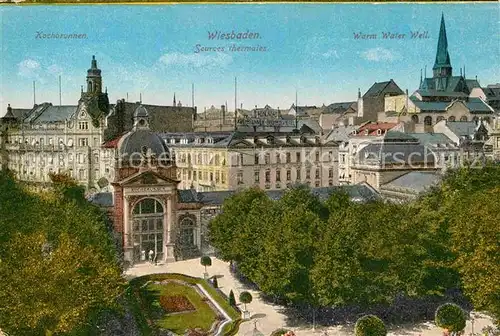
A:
141, 140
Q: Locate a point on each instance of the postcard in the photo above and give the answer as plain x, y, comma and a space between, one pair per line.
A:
157, 116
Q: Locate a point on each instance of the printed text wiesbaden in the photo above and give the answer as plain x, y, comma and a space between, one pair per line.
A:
219, 35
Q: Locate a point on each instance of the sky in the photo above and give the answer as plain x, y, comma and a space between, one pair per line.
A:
311, 49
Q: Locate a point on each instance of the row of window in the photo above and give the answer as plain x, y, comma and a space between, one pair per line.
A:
217, 177
428, 119
50, 158
277, 175
288, 157
82, 142
201, 159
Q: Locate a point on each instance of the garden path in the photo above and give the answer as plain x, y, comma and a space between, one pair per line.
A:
268, 316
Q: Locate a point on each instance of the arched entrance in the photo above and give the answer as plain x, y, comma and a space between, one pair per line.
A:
147, 230
186, 244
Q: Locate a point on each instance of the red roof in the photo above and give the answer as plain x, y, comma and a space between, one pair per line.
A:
112, 143
372, 129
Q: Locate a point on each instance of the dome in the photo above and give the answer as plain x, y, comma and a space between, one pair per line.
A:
143, 142
141, 112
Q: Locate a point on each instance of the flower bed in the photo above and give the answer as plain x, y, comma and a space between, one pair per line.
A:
176, 303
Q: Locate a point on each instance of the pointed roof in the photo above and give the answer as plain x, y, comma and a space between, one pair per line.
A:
442, 55
94, 70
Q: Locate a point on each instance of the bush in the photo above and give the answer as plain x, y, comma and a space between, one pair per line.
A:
280, 332
370, 325
206, 261
245, 297
451, 317
232, 299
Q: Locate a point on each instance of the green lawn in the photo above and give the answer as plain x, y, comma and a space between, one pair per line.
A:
202, 318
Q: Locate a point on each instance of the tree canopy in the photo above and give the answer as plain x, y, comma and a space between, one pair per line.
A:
58, 261
339, 252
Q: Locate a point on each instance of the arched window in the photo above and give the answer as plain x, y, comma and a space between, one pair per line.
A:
439, 119
475, 119
463, 118
148, 206
428, 121
147, 230
414, 118
452, 118
187, 227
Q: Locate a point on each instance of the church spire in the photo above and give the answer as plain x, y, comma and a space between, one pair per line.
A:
174, 100
94, 63
442, 65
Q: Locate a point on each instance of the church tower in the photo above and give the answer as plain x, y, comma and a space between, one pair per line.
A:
442, 65
94, 79
96, 101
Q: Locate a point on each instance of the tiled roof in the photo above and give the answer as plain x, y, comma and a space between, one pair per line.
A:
432, 138
473, 104
462, 128
112, 143
161, 118
382, 88
57, 113
454, 86
436, 93
402, 154
135, 141
341, 133
373, 128
391, 136
415, 182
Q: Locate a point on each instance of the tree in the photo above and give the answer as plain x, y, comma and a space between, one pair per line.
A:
475, 241
55, 288
245, 298
64, 257
451, 317
370, 325
206, 261
223, 229
231, 299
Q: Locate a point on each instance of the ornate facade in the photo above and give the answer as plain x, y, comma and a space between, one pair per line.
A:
68, 138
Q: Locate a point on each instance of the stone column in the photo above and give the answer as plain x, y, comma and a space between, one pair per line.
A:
170, 222
128, 248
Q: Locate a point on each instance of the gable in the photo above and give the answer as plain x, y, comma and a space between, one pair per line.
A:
148, 178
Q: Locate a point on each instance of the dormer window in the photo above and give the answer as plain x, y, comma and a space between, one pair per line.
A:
379, 132
367, 131
142, 122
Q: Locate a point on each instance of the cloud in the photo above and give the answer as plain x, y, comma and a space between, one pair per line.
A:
29, 68
196, 60
379, 55
330, 53
55, 70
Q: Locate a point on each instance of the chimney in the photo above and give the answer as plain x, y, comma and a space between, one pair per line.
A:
9, 109
223, 108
